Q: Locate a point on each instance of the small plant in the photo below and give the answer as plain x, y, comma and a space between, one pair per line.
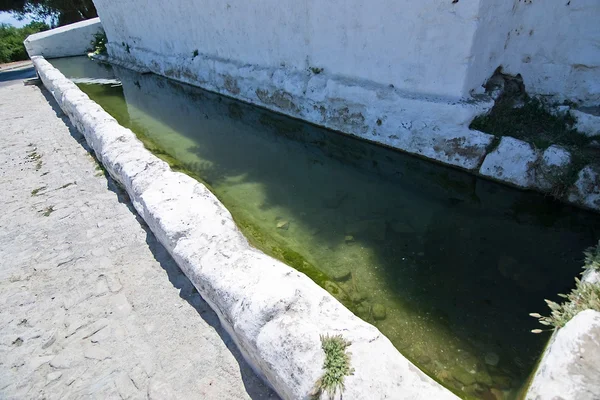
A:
35, 192
99, 43
47, 211
592, 258
336, 366
585, 296
195, 54
316, 70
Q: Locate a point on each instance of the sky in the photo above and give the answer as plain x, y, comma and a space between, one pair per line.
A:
7, 18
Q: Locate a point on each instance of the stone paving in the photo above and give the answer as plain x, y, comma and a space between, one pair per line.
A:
92, 306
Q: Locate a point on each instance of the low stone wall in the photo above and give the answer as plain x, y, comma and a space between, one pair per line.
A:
570, 367
274, 314
69, 40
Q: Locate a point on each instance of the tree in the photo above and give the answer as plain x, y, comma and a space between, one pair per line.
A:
60, 12
11, 40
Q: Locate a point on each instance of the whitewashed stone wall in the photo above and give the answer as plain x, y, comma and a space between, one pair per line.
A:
398, 73
552, 44
69, 40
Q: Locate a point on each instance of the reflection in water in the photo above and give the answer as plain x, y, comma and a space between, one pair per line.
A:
446, 265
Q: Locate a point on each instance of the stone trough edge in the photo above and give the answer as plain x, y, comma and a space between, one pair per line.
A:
274, 314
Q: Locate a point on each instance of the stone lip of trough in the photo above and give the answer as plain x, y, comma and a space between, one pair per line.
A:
274, 313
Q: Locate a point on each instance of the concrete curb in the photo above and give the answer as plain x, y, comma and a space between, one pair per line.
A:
273, 313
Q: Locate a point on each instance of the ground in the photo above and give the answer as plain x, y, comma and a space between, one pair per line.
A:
92, 305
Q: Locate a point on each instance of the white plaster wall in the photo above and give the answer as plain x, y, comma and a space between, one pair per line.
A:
69, 40
419, 47
554, 45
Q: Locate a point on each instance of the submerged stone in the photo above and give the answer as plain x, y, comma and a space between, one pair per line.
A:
378, 311
341, 276
368, 229
284, 225
492, 359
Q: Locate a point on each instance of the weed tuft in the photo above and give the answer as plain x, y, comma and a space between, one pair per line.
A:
592, 258
99, 43
35, 192
336, 366
585, 296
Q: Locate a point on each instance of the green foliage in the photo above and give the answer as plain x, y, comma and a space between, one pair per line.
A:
195, 54
336, 365
585, 296
60, 12
592, 258
530, 122
99, 43
11, 40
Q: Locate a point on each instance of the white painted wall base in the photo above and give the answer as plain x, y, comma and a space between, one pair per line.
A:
436, 128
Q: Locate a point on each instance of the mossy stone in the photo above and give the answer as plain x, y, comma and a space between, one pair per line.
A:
378, 311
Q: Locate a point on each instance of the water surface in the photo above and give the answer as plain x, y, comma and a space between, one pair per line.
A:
446, 265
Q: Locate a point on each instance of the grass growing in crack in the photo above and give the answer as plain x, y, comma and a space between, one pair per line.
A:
35, 192
47, 211
531, 123
66, 185
585, 296
33, 155
336, 366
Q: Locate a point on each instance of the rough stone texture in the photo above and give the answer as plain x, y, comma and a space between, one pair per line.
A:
586, 123
513, 161
570, 367
586, 191
274, 313
69, 40
92, 305
553, 166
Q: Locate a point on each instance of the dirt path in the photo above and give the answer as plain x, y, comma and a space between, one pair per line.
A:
92, 305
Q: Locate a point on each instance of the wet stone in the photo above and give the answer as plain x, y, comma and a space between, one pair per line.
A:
341, 276
378, 311
492, 359
283, 225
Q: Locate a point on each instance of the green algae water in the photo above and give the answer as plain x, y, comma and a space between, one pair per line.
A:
446, 265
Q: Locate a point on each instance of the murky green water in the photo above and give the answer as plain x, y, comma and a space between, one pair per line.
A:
446, 265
